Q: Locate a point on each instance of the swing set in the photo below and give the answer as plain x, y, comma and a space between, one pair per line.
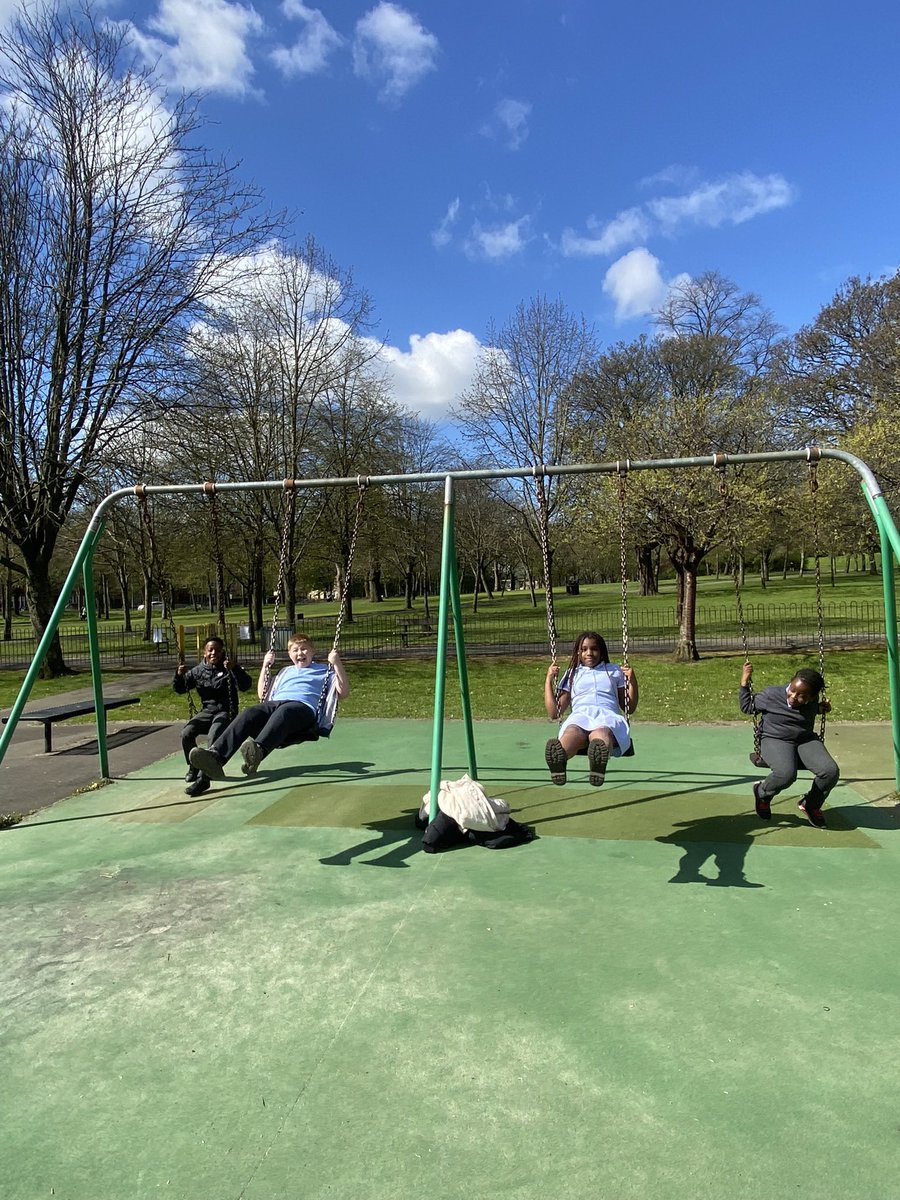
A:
450, 608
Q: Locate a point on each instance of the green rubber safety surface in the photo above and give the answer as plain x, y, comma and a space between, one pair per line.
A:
271, 992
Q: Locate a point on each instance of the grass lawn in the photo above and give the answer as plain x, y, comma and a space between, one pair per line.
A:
795, 589
512, 688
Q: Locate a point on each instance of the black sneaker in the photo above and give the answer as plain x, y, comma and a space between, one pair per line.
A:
200, 785
207, 762
813, 815
191, 775
555, 758
252, 754
598, 757
763, 807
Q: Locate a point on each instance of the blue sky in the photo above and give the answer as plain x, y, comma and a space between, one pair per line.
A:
462, 157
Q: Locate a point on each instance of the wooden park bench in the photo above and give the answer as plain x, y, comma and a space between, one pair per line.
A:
83, 708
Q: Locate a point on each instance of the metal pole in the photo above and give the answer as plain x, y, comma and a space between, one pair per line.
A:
885, 524
437, 742
461, 664
94, 652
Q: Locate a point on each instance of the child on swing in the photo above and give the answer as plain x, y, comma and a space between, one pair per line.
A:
789, 740
217, 681
288, 710
599, 694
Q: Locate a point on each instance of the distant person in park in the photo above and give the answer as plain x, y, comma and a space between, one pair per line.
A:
292, 708
789, 740
217, 681
596, 691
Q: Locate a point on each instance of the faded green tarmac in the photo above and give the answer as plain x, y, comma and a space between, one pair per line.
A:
219, 999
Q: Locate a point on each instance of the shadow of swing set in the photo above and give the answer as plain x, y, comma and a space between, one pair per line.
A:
450, 607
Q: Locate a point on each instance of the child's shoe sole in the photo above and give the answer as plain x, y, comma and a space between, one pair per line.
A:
555, 758
598, 757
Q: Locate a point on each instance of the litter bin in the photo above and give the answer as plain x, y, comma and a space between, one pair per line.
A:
572, 587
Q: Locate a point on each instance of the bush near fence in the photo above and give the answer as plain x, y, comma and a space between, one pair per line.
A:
769, 627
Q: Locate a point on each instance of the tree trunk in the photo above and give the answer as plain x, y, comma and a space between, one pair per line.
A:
41, 598
686, 560
257, 592
648, 571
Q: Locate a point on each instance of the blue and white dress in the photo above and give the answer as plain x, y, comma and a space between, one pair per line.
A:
594, 698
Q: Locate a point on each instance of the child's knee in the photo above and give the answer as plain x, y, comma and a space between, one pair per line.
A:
779, 780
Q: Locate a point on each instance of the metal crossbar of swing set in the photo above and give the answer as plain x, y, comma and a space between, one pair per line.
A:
449, 590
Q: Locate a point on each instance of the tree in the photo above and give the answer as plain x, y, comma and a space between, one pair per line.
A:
516, 411
265, 365
845, 367
707, 383
115, 230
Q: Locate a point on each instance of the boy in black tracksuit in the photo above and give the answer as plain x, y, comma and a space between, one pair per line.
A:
217, 681
789, 741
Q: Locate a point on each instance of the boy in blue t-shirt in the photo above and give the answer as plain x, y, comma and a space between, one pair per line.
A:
287, 712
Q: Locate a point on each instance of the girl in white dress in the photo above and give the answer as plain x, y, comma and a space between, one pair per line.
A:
599, 693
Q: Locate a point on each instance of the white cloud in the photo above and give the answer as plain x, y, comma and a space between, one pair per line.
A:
502, 241
509, 123
309, 53
627, 228
202, 44
392, 48
729, 201
635, 284
438, 367
442, 235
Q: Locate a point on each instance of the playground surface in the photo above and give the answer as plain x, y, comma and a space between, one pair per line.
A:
270, 991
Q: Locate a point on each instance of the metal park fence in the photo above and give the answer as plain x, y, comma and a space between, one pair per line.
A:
772, 627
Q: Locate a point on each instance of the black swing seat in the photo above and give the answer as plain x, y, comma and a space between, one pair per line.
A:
311, 735
757, 759
629, 753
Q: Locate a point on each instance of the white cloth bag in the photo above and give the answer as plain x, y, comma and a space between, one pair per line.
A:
466, 801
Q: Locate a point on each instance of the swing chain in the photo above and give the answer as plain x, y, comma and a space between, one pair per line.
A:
812, 468
738, 598
210, 489
623, 571
543, 526
165, 588
287, 526
362, 485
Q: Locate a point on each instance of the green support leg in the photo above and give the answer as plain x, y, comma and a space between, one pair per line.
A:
437, 741
94, 652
